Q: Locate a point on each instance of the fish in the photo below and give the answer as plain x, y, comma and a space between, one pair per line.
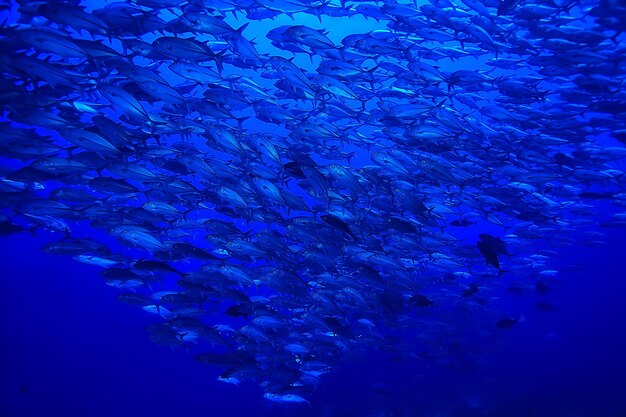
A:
495, 243
508, 322
461, 223
338, 224
285, 398
8, 228
420, 300
490, 255
301, 190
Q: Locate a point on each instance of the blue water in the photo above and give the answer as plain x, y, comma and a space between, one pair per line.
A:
69, 348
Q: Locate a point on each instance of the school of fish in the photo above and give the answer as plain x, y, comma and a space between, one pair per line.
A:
283, 202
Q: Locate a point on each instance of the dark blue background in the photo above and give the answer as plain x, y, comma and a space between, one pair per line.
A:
69, 348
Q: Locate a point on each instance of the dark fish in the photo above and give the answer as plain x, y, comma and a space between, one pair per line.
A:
187, 250
496, 244
565, 160
461, 223
590, 195
74, 247
420, 300
228, 358
470, 290
164, 335
402, 225
338, 224
8, 228
135, 299
535, 216
542, 287
506, 323
154, 266
546, 305
240, 310
490, 255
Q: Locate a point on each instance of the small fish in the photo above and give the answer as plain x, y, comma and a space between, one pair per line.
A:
420, 300
470, 290
461, 223
8, 228
508, 322
285, 398
491, 257
338, 224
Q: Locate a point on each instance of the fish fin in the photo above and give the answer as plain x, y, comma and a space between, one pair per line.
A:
219, 60
318, 15
614, 37
186, 212
240, 121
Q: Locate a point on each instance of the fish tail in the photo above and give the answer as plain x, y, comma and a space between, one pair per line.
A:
614, 37
219, 61
569, 6
349, 156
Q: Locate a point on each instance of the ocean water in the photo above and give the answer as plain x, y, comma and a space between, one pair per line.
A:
442, 331
72, 349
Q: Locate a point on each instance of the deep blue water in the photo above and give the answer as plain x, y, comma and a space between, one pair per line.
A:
70, 348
